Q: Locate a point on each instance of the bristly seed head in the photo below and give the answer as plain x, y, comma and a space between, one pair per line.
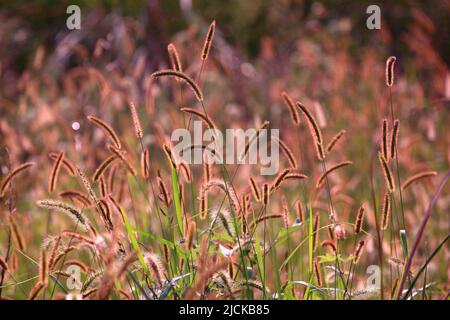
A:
390, 62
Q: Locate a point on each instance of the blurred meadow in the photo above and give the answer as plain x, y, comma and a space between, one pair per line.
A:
82, 187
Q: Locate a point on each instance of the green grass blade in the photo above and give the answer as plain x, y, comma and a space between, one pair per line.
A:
176, 200
134, 242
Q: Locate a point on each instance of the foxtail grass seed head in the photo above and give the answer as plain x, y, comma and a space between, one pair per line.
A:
17, 234
335, 140
169, 155
186, 171
87, 186
74, 213
36, 290
203, 199
418, 176
136, 121
191, 234
206, 171
315, 131
253, 139
107, 129
291, 106
265, 194
55, 172
145, 163
358, 251
387, 173
208, 40
295, 176
384, 141
103, 167
180, 75
318, 273
68, 166
174, 58
156, 268
43, 267
225, 187
76, 195
14, 172
53, 253
333, 168
122, 156
265, 218
201, 115
316, 228
359, 221
329, 244
102, 187
390, 62
279, 179
394, 139
288, 153
164, 193
299, 212
255, 189
386, 211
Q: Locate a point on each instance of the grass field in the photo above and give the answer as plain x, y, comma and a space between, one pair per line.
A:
94, 207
